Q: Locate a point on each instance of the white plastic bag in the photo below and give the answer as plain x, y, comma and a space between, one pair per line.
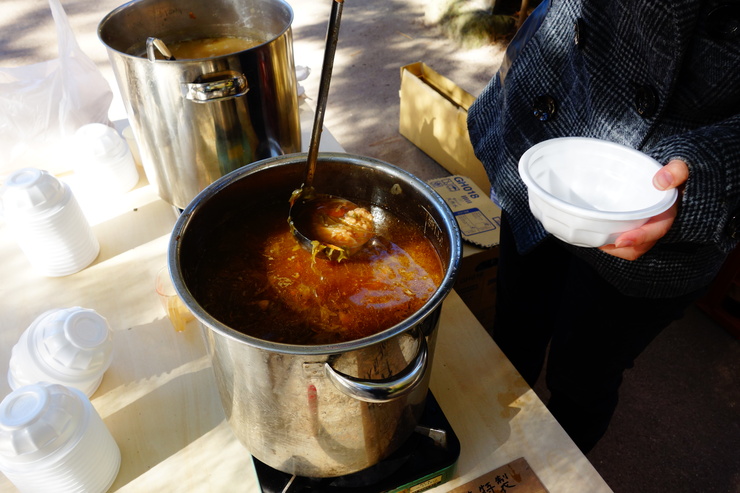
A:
43, 104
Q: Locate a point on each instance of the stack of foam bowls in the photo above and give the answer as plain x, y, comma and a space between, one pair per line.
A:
104, 158
69, 346
128, 135
53, 440
47, 223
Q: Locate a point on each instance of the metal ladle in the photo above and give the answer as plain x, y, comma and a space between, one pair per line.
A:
306, 206
152, 43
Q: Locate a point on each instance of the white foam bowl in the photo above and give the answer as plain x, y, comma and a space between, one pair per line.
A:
589, 191
68, 346
53, 440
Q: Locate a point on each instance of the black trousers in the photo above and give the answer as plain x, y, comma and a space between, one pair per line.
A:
552, 306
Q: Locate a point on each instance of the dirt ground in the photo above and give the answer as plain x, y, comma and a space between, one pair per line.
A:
376, 39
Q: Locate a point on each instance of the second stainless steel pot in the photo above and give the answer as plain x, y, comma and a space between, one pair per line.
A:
320, 411
197, 120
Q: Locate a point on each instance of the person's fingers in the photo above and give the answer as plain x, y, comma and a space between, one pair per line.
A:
632, 244
651, 231
672, 175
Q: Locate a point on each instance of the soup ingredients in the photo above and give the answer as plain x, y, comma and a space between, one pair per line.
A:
256, 279
337, 226
339, 222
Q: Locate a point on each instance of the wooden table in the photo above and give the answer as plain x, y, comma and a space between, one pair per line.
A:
159, 397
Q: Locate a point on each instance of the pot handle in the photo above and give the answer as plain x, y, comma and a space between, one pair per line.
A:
216, 87
386, 389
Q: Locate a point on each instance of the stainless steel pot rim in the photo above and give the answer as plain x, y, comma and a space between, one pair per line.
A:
314, 350
103, 23
436, 299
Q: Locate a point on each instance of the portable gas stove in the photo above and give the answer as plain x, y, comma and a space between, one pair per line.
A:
427, 459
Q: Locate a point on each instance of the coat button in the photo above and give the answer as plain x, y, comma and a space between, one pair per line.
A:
646, 101
544, 107
733, 227
578, 32
724, 21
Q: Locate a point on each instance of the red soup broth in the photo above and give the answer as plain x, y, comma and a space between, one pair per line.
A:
255, 278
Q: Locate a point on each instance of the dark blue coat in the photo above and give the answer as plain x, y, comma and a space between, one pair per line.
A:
661, 76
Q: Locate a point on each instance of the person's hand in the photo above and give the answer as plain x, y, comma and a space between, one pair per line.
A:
630, 245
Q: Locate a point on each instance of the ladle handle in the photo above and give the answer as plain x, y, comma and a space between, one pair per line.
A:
152, 43
332, 35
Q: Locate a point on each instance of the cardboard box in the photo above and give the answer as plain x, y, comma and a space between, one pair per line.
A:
476, 282
433, 116
477, 216
479, 220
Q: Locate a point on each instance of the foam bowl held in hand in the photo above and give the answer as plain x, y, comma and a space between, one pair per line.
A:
588, 191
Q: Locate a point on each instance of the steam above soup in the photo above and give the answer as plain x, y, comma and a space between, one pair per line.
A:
255, 278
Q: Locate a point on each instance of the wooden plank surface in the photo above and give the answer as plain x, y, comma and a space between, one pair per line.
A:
159, 398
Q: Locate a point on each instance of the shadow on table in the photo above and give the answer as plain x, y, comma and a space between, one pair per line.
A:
159, 424
117, 230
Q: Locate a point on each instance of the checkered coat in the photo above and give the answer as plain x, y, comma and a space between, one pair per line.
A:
662, 76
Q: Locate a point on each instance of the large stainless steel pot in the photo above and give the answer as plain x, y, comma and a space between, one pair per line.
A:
197, 120
320, 411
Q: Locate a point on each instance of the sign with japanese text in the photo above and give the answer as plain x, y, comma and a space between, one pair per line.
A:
514, 477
